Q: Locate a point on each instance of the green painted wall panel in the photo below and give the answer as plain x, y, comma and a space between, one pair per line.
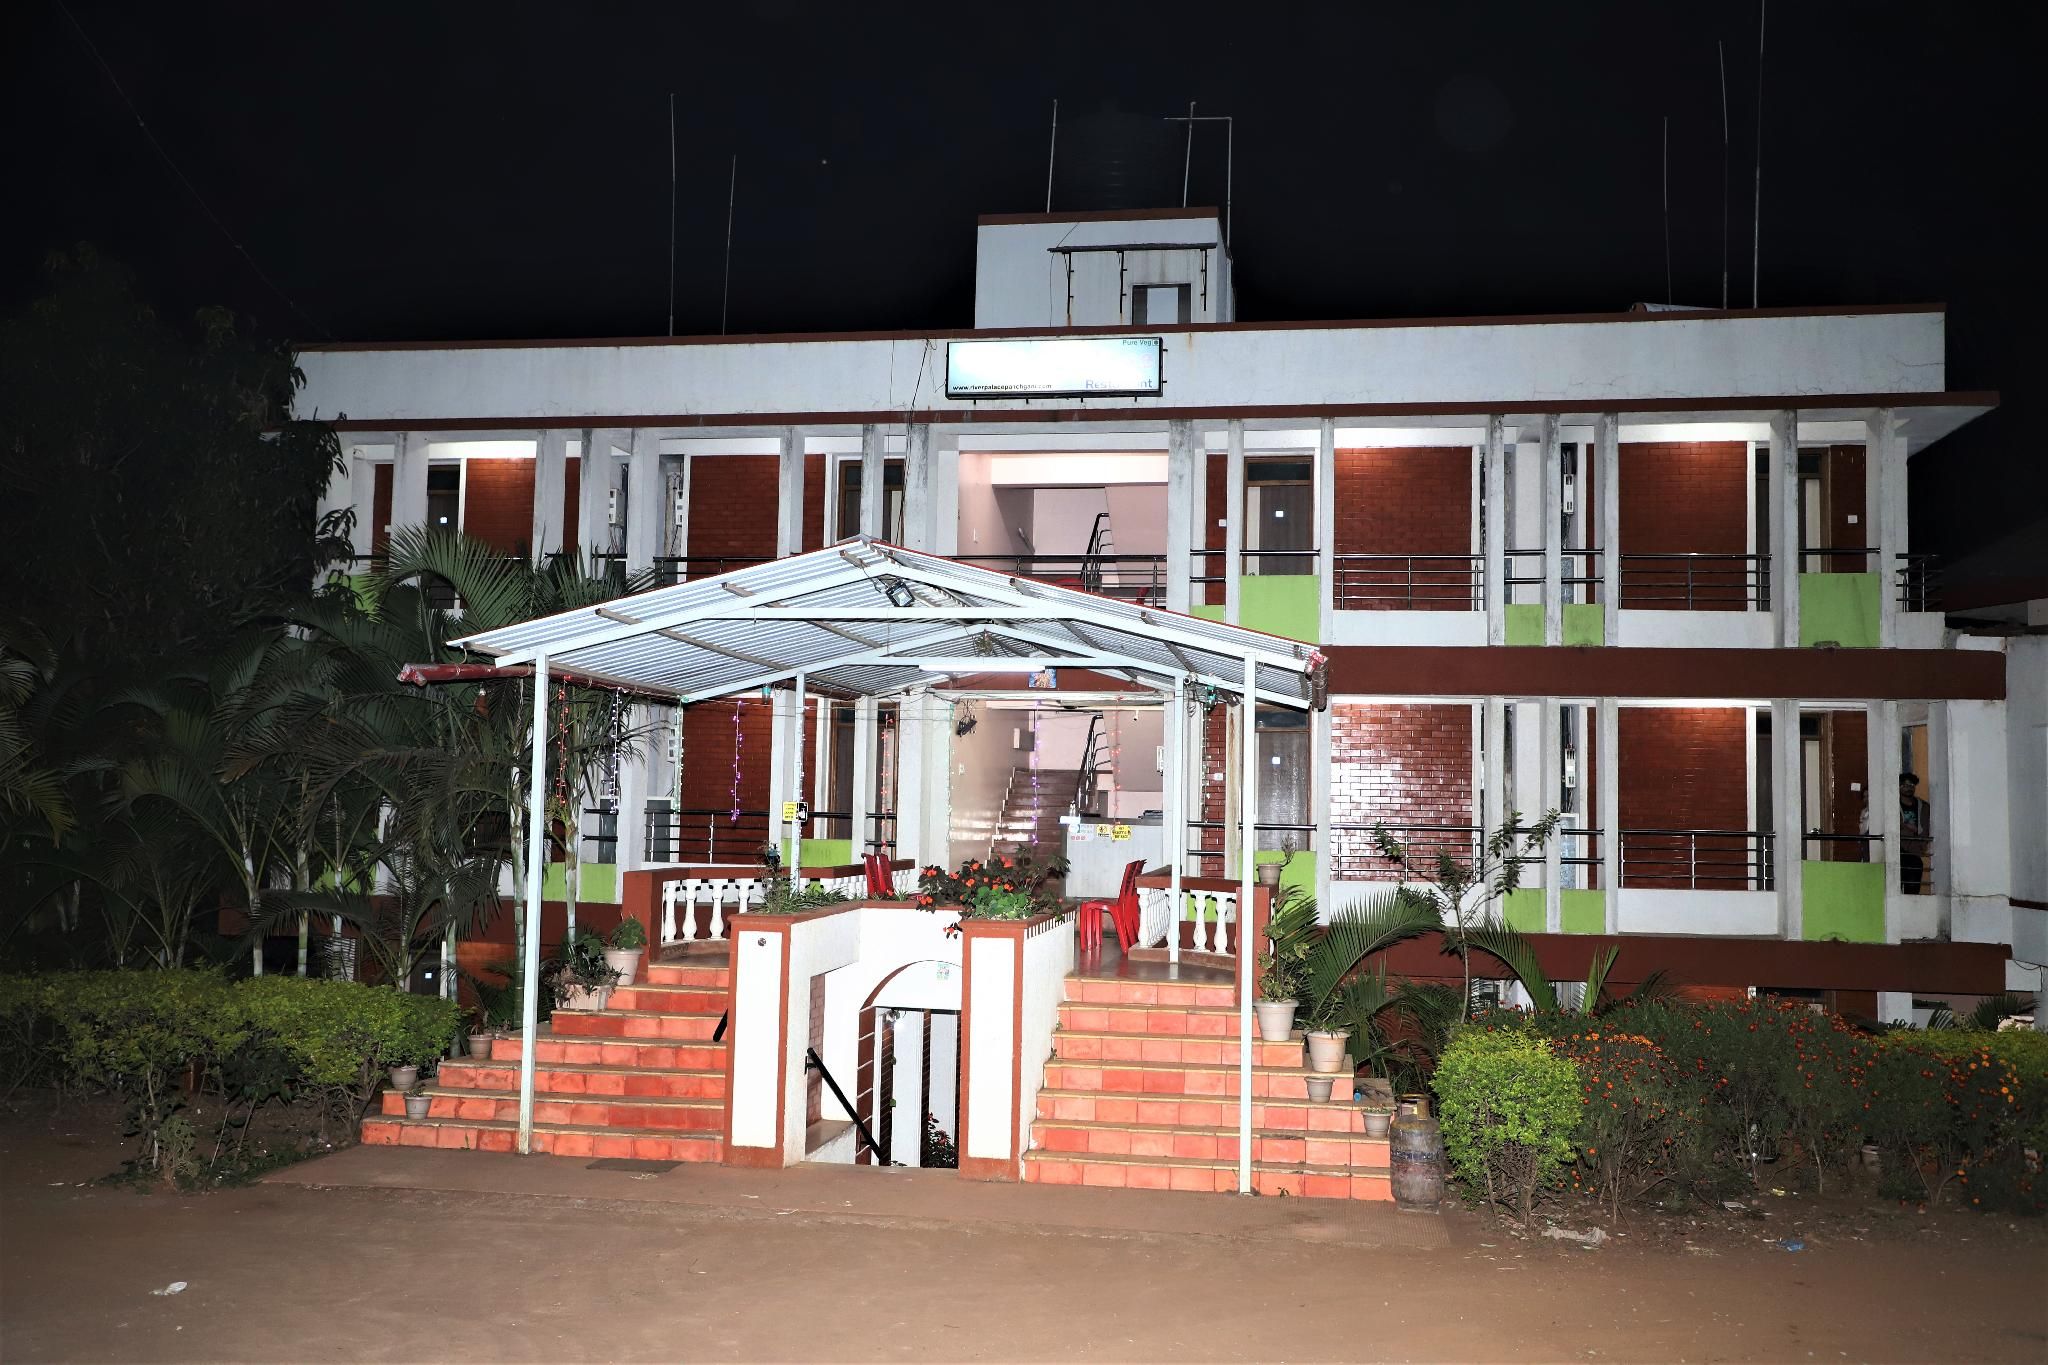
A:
1584, 624
1301, 871
1838, 609
1524, 623
826, 853
1842, 900
1523, 909
1207, 613
1585, 912
596, 883
1282, 604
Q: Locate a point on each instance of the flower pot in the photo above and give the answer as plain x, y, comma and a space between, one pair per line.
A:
1377, 1122
1268, 874
586, 997
1319, 1088
624, 961
416, 1106
480, 1044
404, 1077
1276, 1019
1326, 1051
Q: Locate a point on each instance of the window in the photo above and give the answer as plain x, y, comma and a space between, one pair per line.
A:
892, 499
1159, 305
444, 496
1279, 512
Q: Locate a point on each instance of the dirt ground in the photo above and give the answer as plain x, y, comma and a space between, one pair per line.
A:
403, 1255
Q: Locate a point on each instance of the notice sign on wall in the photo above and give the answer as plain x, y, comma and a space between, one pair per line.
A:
1053, 367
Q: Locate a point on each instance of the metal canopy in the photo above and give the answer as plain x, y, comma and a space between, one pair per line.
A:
868, 618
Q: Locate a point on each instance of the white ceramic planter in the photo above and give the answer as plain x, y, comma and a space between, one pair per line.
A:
1319, 1088
585, 998
1326, 1051
624, 961
1276, 1019
1377, 1122
416, 1106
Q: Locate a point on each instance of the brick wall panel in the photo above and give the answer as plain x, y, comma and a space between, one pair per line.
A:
1396, 764
1682, 768
732, 506
1412, 501
1684, 497
497, 504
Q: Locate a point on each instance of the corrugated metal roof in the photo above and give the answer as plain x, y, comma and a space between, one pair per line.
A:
831, 616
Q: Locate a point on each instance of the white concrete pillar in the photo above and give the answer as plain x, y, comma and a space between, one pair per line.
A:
780, 733
789, 495
1326, 545
646, 500
675, 492
1550, 502
1609, 781
945, 1095
924, 773
363, 497
1247, 951
866, 733
1174, 835
409, 479
1551, 761
1607, 481
1324, 841
906, 1122
639, 769
873, 501
599, 476
1186, 482
1494, 533
943, 495
550, 490
1234, 539
917, 483
1934, 790
1884, 507
1787, 786
1785, 565
1881, 768
1493, 729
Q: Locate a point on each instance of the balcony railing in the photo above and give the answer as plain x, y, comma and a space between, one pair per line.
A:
1521, 569
699, 835
1450, 582
1134, 578
1917, 578
1257, 562
672, 569
1697, 859
1817, 847
1214, 862
1695, 582
1353, 854
1579, 849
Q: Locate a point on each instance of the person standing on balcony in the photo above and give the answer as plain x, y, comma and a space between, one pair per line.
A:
1916, 834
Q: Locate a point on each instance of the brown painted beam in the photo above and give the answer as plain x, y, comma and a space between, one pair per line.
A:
1927, 967
1736, 674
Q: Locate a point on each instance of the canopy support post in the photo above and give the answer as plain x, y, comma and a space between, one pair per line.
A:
1247, 851
536, 866
1176, 734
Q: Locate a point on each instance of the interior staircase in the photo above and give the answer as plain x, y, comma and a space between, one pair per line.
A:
642, 1078
1142, 1088
1032, 812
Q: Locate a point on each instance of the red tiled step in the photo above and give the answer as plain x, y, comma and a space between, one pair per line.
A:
1205, 1021
1134, 1047
1269, 1146
1197, 1111
633, 1024
1110, 991
553, 1139
1171, 1078
1150, 1173
655, 999
703, 976
649, 1053
638, 1082
594, 1112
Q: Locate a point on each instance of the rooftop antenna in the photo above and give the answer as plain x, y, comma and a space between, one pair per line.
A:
732, 191
1756, 260
1229, 155
1051, 154
1187, 165
1668, 297
671, 213
1721, 52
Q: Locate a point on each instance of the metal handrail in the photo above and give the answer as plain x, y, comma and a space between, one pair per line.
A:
1246, 558
1422, 582
666, 829
1917, 577
1686, 581
1141, 578
1860, 846
1827, 554
1676, 855
672, 569
860, 1125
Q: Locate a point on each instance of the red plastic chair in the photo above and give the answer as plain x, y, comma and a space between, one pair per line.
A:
1122, 912
881, 885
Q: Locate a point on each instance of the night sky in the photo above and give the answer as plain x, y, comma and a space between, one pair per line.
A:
481, 171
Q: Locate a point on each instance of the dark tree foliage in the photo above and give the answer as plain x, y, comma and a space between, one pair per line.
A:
156, 493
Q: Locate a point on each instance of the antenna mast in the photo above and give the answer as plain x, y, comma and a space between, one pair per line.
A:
671, 213
732, 191
1721, 53
1668, 297
1756, 260
1052, 154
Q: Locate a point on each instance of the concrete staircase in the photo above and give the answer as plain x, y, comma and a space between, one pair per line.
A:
641, 1078
1142, 1092
1031, 812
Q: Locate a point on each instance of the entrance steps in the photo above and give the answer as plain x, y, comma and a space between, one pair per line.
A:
642, 1078
1142, 1092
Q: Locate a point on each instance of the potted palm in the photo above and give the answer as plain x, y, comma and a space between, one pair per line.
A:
1327, 1033
583, 979
1276, 1001
480, 1035
623, 950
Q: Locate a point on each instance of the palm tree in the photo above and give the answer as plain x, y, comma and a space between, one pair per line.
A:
29, 789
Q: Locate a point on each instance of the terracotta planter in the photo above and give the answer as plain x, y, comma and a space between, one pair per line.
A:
416, 1106
1326, 1051
1377, 1122
624, 961
1319, 1088
404, 1078
1276, 1019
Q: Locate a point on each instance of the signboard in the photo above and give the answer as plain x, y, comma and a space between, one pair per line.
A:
1054, 367
1119, 833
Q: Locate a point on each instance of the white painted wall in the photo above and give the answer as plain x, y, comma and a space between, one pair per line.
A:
1643, 629
991, 1047
1747, 914
2026, 721
1580, 366
1063, 518
990, 516
1020, 282
945, 1088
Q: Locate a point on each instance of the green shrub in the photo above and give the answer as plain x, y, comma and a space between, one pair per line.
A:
1953, 1106
343, 1036
1639, 1115
1510, 1106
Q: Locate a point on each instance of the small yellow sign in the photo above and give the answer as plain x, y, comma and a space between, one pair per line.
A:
788, 810
1119, 833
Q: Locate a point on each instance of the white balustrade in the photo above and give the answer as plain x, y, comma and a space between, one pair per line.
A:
681, 897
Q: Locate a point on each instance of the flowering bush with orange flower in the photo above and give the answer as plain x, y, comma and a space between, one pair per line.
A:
1638, 1127
1015, 886
1949, 1110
